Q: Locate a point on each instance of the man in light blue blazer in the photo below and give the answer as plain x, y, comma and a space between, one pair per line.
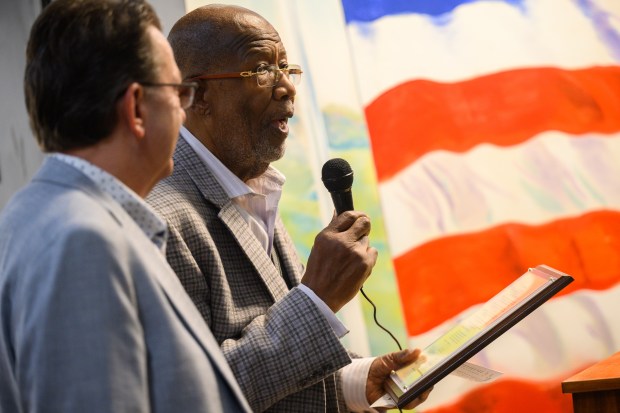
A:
92, 318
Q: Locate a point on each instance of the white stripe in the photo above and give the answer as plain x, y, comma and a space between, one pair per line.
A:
550, 177
480, 38
562, 336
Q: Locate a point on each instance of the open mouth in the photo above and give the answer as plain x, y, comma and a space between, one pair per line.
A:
281, 124
281, 117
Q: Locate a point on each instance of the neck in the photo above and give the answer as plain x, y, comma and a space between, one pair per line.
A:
243, 170
118, 162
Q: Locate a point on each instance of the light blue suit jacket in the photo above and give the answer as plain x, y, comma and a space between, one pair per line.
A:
92, 317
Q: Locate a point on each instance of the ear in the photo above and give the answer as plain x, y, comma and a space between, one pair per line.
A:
132, 110
202, 105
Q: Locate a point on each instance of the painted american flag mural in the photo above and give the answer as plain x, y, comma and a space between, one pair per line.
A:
495, 131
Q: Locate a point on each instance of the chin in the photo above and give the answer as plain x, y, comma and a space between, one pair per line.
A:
266, 154
278, 153
169, 169
166, 171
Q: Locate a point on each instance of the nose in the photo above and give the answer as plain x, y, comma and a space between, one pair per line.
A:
284, 88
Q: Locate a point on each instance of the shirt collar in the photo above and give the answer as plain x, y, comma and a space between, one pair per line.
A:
271, 180
150, 223
257, 200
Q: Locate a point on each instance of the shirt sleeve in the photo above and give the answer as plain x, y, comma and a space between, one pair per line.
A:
354, 377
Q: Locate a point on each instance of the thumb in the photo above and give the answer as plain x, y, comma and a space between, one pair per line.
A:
403, 358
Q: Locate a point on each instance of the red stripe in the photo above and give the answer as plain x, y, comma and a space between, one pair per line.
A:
442, 278
509, 396
504, 109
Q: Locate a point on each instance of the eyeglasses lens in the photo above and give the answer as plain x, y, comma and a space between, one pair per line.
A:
270, 75
186, 96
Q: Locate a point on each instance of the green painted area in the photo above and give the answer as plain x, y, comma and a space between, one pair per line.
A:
300, 212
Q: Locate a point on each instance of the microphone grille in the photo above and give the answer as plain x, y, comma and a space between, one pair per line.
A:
337, 175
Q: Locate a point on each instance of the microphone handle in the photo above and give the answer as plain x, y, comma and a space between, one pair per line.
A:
343, 200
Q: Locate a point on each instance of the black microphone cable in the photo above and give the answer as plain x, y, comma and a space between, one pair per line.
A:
374, 315
337, 176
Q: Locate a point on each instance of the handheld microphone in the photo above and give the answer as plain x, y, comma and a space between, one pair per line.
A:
337, 176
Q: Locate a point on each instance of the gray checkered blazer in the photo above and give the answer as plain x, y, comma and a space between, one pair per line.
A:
281, 349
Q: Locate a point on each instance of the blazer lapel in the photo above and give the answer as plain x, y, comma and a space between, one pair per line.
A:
254, 251
186, 158
195, 323
289, 260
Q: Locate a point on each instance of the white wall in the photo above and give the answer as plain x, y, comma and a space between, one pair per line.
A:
19, 153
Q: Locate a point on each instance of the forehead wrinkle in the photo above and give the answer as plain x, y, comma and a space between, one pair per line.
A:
261, 50
254, 35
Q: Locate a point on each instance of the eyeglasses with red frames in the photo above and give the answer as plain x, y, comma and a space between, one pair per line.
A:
266, 76
185, 90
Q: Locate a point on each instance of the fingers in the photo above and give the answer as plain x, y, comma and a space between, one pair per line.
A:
400, 359
355, 221
404, 358
380, 371
365, 241
341, 259
371, 258
387, 363
425, 395
418, 401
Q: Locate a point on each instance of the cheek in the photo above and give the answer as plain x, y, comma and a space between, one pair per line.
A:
243, 120
182, 116
172, 122
256, 105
